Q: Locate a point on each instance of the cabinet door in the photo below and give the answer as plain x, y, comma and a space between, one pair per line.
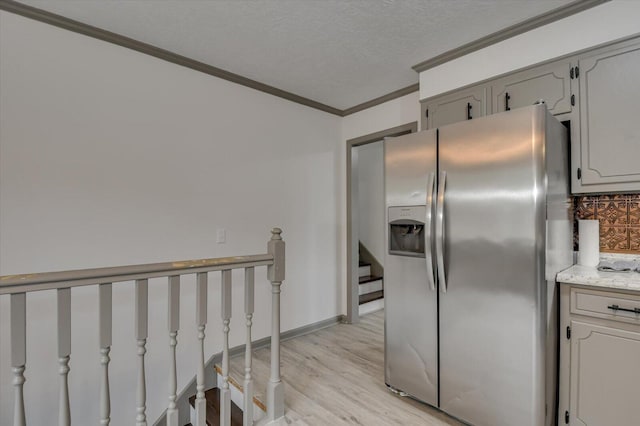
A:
605, 372
550, 83
459, 106
609, 121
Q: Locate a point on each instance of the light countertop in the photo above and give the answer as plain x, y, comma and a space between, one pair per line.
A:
590, 276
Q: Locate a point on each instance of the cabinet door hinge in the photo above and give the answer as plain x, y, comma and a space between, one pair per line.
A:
566, 417
577, 72
579, 173
568, 332
426, 113
571, 75
573, 100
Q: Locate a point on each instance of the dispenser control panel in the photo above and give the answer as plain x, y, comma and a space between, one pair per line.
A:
406, 230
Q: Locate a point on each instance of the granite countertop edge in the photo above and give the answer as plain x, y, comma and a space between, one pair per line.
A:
590, 276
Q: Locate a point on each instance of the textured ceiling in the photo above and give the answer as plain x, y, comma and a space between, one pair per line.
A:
337, 52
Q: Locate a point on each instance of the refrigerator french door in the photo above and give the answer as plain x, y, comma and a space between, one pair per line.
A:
470, 324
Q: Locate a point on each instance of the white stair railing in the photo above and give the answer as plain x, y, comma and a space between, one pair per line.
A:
201, 320
64, 353
141, 331
18, 306
105, 324
248, 311
18, 286
275, 272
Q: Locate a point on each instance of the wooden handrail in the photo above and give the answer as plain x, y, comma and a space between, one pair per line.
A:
10, 284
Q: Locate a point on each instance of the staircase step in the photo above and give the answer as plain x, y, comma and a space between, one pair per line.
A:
370, 286
257, 400
364, 270
361, 263
371, 296
213, 408
369, 278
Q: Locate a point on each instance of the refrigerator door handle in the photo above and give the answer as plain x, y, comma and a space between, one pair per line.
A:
428, 234
440, 231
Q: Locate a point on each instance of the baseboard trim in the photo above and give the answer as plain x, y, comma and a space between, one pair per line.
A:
183, 397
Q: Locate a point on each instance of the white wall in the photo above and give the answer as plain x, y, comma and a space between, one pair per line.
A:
606, 22
109, 157
396, 112
371, 198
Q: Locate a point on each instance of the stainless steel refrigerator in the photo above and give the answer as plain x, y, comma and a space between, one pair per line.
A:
479, 221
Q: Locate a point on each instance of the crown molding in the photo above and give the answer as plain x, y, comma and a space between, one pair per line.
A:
148, 49
382, 99
120, 40
512, 31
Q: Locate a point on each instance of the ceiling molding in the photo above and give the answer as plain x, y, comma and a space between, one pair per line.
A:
382, 99
512, 31
120, 40
129, 43
148, 49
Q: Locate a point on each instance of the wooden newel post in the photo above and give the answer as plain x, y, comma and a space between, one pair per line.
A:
275, 273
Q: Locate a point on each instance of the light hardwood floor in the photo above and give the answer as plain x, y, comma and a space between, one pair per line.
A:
335, 376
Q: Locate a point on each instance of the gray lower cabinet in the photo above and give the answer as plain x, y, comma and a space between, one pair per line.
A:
600, 358
603, 391
609, 121
459, 106
550, 83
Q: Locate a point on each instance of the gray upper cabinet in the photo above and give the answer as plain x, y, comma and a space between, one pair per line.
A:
459, 106
595, 92
550, 83
609, 124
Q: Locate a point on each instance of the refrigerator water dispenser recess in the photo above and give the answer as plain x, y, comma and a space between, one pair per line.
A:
406, 230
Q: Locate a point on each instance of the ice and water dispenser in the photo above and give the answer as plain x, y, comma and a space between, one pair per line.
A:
406, 230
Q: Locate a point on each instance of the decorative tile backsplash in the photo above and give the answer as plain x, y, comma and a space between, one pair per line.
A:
619, 217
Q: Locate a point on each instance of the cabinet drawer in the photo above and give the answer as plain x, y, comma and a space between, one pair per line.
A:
608, 305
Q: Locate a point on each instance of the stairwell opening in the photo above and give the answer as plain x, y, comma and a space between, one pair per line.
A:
366, 221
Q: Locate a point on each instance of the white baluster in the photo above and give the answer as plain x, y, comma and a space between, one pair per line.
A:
173, 325
18, 354
248, 381
275, 273
225, 393
105, 324
142, 319
201, 321
64, 354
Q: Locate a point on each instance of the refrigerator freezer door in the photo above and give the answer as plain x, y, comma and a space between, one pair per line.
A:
411, 316
492, 316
